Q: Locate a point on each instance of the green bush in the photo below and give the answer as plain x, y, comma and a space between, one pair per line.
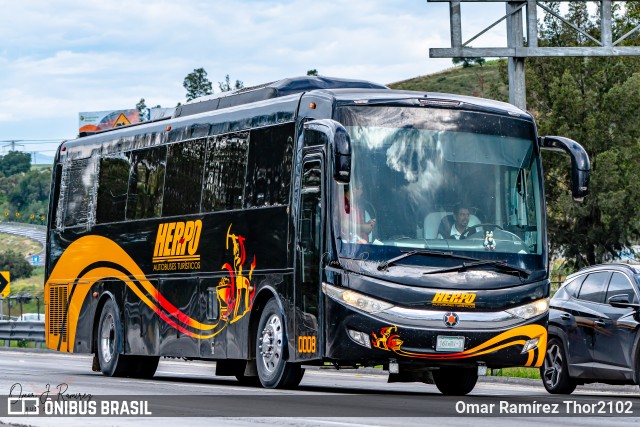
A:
15, 264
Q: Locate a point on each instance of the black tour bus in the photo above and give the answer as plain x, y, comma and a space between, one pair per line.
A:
299, 223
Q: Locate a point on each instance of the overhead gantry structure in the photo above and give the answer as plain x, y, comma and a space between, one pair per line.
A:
522, 23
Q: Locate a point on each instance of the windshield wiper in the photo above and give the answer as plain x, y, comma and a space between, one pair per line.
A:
385, 264
500, 265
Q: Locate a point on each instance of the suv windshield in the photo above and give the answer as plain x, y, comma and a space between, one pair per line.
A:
430, 178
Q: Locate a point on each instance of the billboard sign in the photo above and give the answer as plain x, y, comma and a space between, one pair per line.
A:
95, 121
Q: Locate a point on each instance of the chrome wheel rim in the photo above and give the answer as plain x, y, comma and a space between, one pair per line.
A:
553, 366
271, 344
107, 337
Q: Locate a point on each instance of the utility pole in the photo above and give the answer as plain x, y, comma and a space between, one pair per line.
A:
12, 144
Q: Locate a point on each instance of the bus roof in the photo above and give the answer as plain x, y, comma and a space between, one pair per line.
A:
342, 91
345, 90
265, 91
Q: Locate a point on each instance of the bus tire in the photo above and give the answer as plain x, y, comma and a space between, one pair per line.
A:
112, 362
144, 366
271, 343
455, 381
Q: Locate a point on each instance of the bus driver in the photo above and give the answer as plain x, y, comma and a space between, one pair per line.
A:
460, 219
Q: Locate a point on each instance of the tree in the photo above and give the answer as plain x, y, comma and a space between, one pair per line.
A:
226, 85
31, 194
197, 84
26, 194
15, 264
312, 72
468, 62
15, 162
594, 101
141, 106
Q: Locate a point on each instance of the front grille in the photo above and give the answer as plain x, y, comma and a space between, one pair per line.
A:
58, 296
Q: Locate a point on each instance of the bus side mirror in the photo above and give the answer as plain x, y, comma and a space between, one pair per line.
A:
335, 137
580, 164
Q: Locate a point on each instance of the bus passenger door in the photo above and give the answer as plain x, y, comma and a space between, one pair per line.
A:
308, 256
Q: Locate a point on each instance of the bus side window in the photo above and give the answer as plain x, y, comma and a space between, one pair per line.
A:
224, 172
183, 182
146, 183
56, 196
77, 188
269, 171
112, 189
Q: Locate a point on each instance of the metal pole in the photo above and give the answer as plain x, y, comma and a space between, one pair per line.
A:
455, 20
532, 24
605, 24
517, 86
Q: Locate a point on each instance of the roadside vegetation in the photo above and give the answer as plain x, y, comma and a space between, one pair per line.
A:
486, 81
24, 190
532, 373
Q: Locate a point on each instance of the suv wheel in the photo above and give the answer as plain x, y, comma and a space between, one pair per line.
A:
555, 371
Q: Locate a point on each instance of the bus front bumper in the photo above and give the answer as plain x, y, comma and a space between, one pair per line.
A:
434, 337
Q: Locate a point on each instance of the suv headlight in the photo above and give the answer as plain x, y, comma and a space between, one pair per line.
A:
355, 299
530, 310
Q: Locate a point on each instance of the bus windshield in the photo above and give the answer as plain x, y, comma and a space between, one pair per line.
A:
433, 178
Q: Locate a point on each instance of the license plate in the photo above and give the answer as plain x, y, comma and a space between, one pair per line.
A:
444, 343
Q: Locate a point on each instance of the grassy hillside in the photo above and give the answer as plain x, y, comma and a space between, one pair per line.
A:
485, 81
19, 244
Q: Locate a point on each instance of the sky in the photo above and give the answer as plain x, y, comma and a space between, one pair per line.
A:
60, 58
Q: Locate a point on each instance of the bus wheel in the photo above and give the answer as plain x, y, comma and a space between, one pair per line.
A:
273, 369
112, 363
455, 381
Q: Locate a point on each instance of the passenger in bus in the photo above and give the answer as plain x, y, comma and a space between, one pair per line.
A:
354, 226
454, 226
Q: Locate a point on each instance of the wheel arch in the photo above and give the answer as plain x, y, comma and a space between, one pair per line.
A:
556, 332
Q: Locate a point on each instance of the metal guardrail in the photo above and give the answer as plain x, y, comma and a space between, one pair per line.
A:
11, 330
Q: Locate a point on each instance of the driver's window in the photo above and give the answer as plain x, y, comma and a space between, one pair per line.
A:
357, 215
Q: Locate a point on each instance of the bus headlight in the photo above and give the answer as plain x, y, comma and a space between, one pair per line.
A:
530, 310
355, 299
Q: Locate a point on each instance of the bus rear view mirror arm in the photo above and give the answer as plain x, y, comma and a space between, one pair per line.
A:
335, 137
580, 164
